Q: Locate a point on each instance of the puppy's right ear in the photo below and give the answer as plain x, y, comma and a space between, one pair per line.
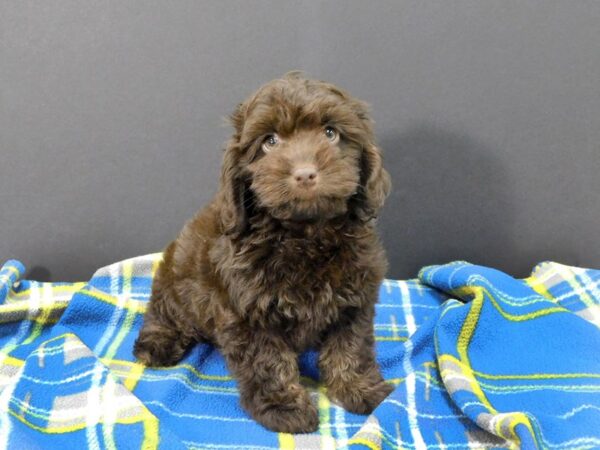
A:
232, 190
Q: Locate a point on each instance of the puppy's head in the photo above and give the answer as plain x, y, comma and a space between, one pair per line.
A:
302, 150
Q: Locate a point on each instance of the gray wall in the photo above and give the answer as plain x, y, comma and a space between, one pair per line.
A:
111, 121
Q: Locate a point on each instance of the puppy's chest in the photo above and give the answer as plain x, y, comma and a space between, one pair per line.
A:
308, 285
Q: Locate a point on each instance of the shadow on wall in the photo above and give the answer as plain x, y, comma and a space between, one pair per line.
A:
451, 200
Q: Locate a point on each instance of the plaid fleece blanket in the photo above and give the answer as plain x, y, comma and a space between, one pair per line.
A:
479, 360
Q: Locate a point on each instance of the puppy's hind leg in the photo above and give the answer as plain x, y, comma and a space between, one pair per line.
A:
164, 338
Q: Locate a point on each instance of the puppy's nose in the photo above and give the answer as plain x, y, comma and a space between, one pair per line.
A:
305, 176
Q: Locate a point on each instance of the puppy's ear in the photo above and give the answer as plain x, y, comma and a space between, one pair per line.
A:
232, 192
233, 186
375, 183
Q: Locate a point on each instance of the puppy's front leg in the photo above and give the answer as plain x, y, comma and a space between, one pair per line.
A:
347, 364
266, 369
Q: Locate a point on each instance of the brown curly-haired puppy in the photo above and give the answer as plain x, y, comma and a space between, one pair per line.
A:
285, 258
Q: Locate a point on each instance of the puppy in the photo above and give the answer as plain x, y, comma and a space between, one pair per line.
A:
285, 258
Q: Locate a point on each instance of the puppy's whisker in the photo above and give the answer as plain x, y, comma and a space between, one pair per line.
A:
249, 202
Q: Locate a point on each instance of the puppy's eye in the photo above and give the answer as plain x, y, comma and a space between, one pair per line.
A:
270, 141
331, 134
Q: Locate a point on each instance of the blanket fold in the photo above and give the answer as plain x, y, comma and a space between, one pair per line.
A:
479, 360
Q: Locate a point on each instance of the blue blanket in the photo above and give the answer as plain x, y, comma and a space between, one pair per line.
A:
479, 360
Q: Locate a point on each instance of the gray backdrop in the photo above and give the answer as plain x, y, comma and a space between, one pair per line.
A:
111, 121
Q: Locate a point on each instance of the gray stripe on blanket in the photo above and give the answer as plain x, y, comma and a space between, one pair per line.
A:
454, 377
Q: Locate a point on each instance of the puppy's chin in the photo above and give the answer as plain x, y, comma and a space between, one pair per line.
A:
310, 209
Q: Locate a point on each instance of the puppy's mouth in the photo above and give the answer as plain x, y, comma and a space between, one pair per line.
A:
310, 208
325, 209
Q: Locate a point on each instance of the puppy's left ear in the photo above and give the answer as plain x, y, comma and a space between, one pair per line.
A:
375, 183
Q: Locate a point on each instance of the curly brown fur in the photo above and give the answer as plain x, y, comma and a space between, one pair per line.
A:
279, 262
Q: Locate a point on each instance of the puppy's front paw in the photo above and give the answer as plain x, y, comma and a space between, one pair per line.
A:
361, 397
156, 354
296, 416
286, 419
